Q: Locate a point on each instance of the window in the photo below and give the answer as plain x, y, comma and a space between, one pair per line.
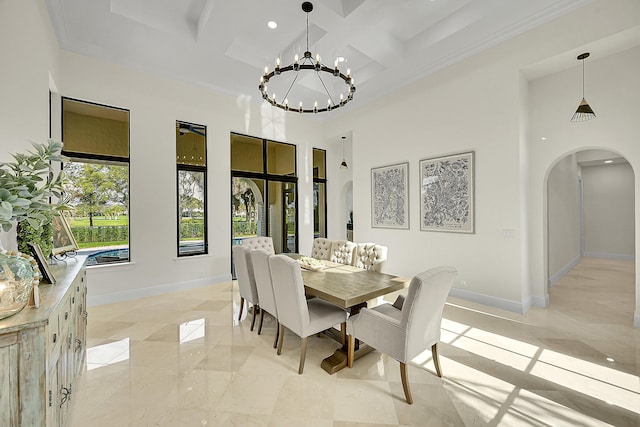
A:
264, 191
319, 193
191, 161
96, 139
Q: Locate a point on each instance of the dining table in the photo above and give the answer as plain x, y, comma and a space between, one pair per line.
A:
350, 288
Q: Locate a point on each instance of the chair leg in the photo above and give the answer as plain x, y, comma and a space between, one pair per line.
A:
436, 359
261, 320
405, 383
281, 339
303, 354
343, 332
241, 306
253, 319
275, 341
350, 351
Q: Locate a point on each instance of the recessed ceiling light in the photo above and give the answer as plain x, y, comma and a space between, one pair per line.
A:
340, 58
608, 161
544, 138
272, 24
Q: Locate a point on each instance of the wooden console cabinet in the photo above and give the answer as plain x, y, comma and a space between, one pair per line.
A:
42, 351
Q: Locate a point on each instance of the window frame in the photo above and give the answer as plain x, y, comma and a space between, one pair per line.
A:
193, 168
100, 159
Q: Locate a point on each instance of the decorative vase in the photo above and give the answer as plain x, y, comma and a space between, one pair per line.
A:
18, 273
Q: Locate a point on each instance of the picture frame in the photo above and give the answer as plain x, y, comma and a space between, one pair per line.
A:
63, 240
390, 196
447, 193
43, 263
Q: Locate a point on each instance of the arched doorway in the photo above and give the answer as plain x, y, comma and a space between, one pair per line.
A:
591, 227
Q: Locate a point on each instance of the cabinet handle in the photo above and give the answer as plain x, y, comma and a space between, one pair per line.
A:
66, 395
78, 343
77, 288
66, 315
73, 300
85, 315
69, 340
55, 338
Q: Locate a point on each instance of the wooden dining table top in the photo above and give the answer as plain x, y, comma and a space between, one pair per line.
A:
347, 286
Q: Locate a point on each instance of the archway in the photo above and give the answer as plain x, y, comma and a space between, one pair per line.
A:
590, 211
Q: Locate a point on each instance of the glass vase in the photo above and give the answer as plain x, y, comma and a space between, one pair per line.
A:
18, 273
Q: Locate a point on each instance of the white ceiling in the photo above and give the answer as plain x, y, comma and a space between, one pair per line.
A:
224, 45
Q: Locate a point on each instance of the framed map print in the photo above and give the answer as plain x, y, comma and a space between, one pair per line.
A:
447, 194
390, 196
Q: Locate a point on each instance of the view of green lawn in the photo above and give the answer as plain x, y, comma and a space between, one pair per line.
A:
83, 221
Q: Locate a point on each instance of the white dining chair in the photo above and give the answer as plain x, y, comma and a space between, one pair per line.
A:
321, 248
406, 328
342, 251
301, 316
259, 242
262, 273
370, 256
246, 281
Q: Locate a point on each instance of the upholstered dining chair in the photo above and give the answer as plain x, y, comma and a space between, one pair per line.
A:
342, 251
246, 280
370, 256
301, 316
262, 272
321, 248
406, 328
259, 242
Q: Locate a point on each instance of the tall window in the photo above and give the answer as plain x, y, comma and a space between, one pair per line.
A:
191, 161
319, 193
264, 198
96, 139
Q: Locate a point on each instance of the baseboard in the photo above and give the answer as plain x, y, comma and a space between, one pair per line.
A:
501, 303
563, 271
609, 256
541, 302
154, 290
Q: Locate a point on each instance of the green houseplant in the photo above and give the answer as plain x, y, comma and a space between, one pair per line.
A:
27, 184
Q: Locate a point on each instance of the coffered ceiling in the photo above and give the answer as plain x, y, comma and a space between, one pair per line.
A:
224, 45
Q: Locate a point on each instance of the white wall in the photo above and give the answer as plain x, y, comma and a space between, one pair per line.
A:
563, 217
612, 92
29, 62
609, 221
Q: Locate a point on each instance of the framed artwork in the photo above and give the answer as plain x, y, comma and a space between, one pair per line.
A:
43, 263
447, 193
63, 240
390, 196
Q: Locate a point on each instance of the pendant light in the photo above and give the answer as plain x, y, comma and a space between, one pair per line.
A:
584, 111
343, 165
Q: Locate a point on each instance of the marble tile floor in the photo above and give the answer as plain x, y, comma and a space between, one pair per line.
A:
184, 360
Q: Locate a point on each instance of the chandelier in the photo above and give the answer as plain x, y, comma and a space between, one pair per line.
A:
308, 64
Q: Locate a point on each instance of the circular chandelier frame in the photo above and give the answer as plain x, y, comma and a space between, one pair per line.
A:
307, 63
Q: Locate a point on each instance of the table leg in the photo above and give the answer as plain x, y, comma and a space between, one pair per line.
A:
338, 360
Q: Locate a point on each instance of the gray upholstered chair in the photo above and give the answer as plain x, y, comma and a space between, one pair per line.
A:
370, 257
301, 316
260, 242
262, 272
342, 251
246, 280
321, 248
405, 329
